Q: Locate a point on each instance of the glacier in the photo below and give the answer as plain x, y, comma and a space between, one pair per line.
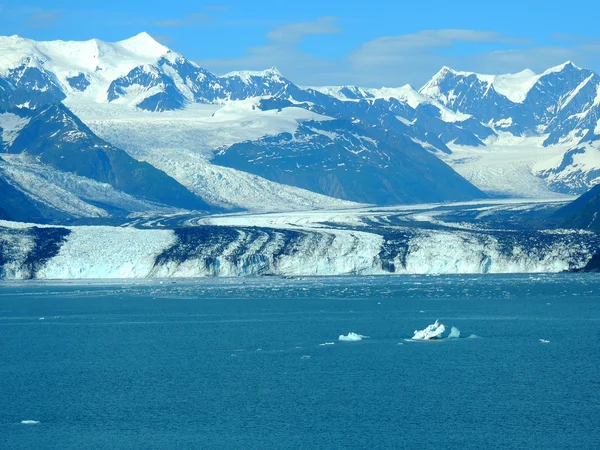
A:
423, 239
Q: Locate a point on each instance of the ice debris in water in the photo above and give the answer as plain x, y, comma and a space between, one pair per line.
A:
454, 333
544, 341
352, 337
30, 422
326, 343
436, 331
433, 331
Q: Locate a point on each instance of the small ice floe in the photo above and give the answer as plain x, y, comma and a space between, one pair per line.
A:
544, 341
42, 318
327, 343
454, 333
473, 336
421, 311
305, 357
352, 337
30, 422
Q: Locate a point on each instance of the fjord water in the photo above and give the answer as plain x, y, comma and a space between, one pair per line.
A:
239, 363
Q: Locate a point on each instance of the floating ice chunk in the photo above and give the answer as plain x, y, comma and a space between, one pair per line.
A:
352, 337
327, 343
305, 356
30, 422
544, 341
454, 333
433, 331
473, 336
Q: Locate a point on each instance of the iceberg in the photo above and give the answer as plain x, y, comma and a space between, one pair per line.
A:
433, 331
454, 333
30, 422
351, 337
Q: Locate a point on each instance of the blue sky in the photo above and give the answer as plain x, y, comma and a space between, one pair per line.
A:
370, 43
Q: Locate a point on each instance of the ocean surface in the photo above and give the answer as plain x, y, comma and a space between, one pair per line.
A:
239, 363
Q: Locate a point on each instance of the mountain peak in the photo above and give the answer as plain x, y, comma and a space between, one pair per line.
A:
144, 44
247, 75
273, 71
568, 65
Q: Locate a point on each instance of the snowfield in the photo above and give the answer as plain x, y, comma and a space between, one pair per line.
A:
510, 165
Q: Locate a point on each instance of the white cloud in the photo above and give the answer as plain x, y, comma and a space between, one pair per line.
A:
282, 51
294, 33
409, 58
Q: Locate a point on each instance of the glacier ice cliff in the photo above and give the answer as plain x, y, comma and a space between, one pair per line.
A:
355, 242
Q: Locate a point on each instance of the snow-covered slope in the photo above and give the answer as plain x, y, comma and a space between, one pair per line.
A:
542, 121
83, 70
181, 143
492, 129
74, 195
514, 87
405, 94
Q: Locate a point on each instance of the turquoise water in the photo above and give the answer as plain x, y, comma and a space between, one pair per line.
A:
238, 364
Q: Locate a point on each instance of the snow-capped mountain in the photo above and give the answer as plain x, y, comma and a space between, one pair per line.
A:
524, 102
233, 140
144, 78
548, 116
137, 71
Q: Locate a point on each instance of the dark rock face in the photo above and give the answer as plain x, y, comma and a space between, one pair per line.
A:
45, 244
16, 206
583, 213
79, 82
342, 160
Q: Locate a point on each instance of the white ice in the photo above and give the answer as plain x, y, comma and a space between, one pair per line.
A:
454, 333
434, 331
352, 337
